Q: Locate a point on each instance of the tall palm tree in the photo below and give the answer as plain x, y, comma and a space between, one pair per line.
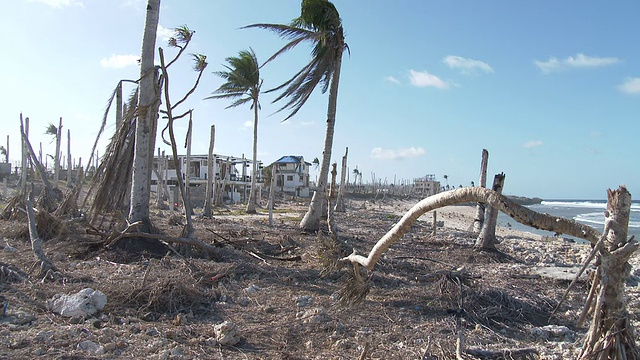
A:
320, 24
243, 85
146, 119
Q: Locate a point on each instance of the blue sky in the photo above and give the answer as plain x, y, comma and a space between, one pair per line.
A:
551, 89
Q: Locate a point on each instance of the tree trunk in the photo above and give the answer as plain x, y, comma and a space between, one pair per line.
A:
519, 213
210, 174
333, 230
46, 267
272, 187
311, 220
69, 183
160, 182
24, 129
340, 202
251, 204
6, 153
187, 169
479, 220
487, 238
148, 100
56, 161
611, 335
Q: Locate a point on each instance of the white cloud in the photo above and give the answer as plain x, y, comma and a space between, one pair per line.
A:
467, 65
164, 34
389, 154
579, 61
248, 125
630, 86
119, 61
424, 79
59, 3
595, 134
392, 79
532, 144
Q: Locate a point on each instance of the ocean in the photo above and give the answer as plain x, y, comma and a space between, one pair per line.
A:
588, 212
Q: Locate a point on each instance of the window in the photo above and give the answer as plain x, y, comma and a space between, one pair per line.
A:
289, 177
301, 178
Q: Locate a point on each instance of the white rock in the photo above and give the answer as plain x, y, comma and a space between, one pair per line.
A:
227, 333
91, 347
84, 303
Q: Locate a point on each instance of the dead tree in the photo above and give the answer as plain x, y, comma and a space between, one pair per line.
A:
47, 269
331, 221
340, 201
487, 238
479, 220
210, 174
611, 335
56, 161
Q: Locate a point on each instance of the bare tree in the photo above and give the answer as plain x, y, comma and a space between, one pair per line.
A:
487, 238
340, 202
210, 174
479, 220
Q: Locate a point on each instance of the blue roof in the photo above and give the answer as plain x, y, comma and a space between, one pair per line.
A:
291, 159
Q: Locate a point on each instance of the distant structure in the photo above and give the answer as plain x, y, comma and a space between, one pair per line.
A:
235, 183
292, 175
426, 185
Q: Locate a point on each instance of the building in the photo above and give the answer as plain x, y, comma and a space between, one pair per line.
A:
426, 185
292, 175
232, 174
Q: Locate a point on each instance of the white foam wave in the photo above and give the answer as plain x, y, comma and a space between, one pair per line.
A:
635, 207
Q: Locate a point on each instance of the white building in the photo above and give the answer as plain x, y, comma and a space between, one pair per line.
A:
292, 175
426, 186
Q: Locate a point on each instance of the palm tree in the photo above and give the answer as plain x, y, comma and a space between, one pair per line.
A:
243, 85
316, 163
146, 119
320, 24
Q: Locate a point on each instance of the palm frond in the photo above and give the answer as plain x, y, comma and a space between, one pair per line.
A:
242, 79
51, 130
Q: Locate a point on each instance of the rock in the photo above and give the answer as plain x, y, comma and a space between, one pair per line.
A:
552, 332
91, 347
18, 318
227, 333
305, 300
84, 303
252, 289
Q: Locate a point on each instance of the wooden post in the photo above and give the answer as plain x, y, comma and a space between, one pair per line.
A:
210, 173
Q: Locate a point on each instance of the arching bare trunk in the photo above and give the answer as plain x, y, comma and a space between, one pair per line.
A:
311, 220
477, 194
146, 117
487, 238
479, 220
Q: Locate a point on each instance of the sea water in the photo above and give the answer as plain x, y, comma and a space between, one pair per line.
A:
587, 212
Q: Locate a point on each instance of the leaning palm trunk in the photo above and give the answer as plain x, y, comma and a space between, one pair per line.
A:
611, 335
311, 220
251, 204
487, 238
147, 115
479, 220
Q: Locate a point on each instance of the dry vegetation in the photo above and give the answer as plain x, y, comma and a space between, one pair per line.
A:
276, 285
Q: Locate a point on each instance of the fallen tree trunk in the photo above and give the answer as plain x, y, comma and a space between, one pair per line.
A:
519, 213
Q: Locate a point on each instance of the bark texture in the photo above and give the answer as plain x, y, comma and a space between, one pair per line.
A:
487, 238
611, 335
251, 203
210, 174
340, 201
145, 123
479, 220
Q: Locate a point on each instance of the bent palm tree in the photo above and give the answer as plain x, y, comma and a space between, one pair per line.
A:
243, 84
320, 24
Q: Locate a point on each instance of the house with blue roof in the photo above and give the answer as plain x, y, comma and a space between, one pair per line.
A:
292, 175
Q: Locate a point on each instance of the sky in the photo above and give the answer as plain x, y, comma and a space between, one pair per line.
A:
551, 89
